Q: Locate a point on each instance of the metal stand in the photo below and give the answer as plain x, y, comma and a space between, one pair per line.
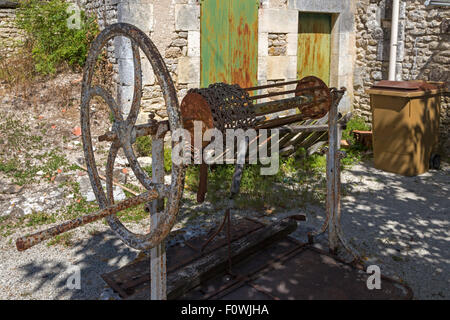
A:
333, 211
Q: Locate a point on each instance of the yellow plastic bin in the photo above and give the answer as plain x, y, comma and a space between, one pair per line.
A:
405, 124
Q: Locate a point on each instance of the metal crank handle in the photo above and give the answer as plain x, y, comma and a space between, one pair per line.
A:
26, 242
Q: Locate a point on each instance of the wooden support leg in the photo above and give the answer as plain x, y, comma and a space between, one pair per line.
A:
158, 273
333, 175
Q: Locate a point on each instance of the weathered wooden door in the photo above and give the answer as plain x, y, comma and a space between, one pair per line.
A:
314, 46
229, 42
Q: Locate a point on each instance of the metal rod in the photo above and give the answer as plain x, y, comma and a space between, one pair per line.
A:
273, 94
140, 130
269, 124
27, 242
274, 85
281, 105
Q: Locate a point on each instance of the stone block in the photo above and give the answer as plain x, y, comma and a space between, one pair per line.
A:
292, 68
125, 96
327, 6
193, 44
138, 13
262, 68
277, 68
148, 76
126, 72
263, 44
278, 21
187, 17
188, 70
292, 44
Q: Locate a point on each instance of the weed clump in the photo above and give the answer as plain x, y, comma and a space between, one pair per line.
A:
52, 41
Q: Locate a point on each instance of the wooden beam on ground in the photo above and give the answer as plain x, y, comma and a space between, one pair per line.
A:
7, 4
181, 281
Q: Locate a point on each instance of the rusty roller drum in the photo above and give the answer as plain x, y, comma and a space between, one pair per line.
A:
224, 106
312, 101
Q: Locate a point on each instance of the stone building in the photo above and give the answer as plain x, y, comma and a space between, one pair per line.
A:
9, 33
423, 49
344, 42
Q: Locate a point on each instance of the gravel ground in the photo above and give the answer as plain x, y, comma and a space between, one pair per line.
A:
398, 223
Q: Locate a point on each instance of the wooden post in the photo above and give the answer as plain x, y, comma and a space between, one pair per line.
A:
333, 172
158, 273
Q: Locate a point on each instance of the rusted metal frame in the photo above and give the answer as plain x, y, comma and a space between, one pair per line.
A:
203, 182
330, 166
273, 123
274, 85
211, 238
139, 130
312, 140
113, 106
274, 94
335, 231
26, 242
234, 190
264, 108
158, 269
332, 220
290, 138
299, 129
270, 124
139, 40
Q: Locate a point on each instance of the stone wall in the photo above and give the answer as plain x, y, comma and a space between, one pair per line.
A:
423, 51
174, 27
105, 10
10, 35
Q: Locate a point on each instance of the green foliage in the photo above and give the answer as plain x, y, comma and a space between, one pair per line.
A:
355, 123
355, 152
39, 218
143, 146
64, 239
53, 42
258, 191
168, 159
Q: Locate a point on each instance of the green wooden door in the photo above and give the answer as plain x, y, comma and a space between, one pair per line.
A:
229, 42
314, 46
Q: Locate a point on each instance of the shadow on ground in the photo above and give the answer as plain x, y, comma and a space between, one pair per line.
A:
98, 254
402, 224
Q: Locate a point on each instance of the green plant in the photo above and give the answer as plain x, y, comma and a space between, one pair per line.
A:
52, 41
143, 146
355, 123
39, 218
168, 160
64, 239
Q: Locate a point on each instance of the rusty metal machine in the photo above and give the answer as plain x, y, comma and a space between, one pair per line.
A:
221, 106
